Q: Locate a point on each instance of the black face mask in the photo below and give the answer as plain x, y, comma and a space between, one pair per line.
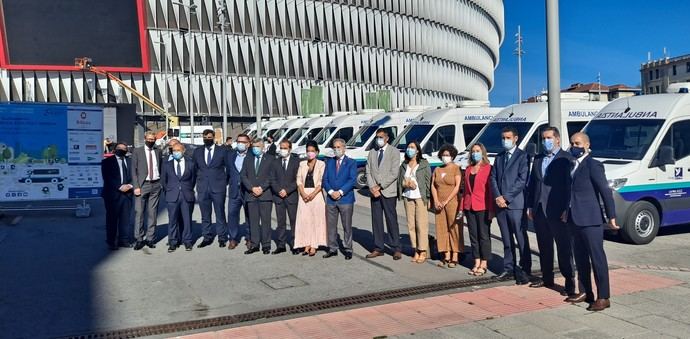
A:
150, 144
170, 150
120, 152
208, 142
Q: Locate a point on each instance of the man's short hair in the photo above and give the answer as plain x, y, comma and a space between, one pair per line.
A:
510, 129
228, 139
149, 134
552, 129
242, 135
257, 141
339, 140
179, 145
384, 131
207, 132
286, 141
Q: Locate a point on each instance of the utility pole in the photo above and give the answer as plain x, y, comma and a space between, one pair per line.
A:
519, 52
257, 82
599, 85
553, 62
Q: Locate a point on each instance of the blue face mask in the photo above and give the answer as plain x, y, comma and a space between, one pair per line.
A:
177, 155
508, 144
577, 151
477, 156
548, 145
241, 147
256, 151
411, 152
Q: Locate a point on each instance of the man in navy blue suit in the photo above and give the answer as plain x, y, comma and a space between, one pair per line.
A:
339, 182
211, 164
179, 177
235, 162
586, 219
257, 176
285, 195
508, 180
117, 196
549, 183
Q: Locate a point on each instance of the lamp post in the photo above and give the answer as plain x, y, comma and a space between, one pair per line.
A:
222, 18
257, 83
553, 62
191, 8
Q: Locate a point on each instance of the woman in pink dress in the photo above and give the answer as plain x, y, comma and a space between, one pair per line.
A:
310, 227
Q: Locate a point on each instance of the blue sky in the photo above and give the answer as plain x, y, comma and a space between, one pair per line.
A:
611, 37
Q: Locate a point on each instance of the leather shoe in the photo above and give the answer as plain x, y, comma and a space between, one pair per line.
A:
205, 243
172, 249
150, 244
267, 251
505, 276
541, 283
577, 298
374, 254
232, 244
139, 245
348, 255
522, 281
599, 305
221, 244
295, 251
397, 255
188, 247
251, 250
279, 250
330, 254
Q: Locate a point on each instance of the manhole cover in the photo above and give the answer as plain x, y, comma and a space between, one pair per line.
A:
287, 281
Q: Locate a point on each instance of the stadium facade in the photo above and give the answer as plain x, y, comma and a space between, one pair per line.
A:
423, 52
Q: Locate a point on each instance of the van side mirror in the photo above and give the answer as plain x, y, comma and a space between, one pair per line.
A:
428, 148
664, 157
531, 149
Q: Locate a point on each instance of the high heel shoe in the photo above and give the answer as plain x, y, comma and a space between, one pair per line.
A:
422, 258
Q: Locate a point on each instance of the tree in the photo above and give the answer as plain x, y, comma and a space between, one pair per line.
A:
6, 154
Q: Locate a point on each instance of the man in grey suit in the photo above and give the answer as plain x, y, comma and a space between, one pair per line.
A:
257, 176
146, 174
508, 180
382, 172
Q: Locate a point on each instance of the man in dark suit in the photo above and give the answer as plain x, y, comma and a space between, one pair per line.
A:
271, 148
256, 178
235, 162
285, 194
339, 182
586, 219
508, 180
179, 177
549, 184
117, 197
146, 172
211, 177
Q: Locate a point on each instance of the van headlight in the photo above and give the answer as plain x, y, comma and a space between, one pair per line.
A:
617, 183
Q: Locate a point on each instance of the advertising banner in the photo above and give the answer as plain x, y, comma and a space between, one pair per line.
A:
50, 152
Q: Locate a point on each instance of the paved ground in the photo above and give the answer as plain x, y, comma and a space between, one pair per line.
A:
59, 279
645, 306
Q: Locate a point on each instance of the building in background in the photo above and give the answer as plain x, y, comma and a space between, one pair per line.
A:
590, 92
408, 52
656, 75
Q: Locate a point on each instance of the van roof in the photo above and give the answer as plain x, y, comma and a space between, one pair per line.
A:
539, 111
457, 114
273, 124
294, 123
318, 122
651, 106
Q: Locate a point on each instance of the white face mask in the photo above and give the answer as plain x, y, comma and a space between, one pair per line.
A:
284, 153
380, 142
446, 159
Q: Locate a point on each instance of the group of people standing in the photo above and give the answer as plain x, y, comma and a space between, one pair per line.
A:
559, 190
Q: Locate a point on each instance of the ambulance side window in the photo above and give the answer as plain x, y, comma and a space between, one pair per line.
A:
678, 137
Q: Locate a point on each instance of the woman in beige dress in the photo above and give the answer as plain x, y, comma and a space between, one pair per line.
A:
310, 227
445, 185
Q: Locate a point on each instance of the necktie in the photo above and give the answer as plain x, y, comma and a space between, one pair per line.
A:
285, 164
150, 166
123, 175
380, 156
507, 159
256, 165
337, 166
179, 169
208, 156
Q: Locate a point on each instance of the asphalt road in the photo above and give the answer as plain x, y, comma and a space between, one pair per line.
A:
58, 278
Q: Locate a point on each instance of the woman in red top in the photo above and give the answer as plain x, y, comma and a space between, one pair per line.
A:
477, 203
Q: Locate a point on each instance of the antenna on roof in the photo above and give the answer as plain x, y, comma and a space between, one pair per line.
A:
627, 103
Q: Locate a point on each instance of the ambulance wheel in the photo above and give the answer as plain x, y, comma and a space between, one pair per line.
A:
642, 223
361, 178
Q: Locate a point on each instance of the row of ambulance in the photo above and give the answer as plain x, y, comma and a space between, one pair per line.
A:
643, 142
